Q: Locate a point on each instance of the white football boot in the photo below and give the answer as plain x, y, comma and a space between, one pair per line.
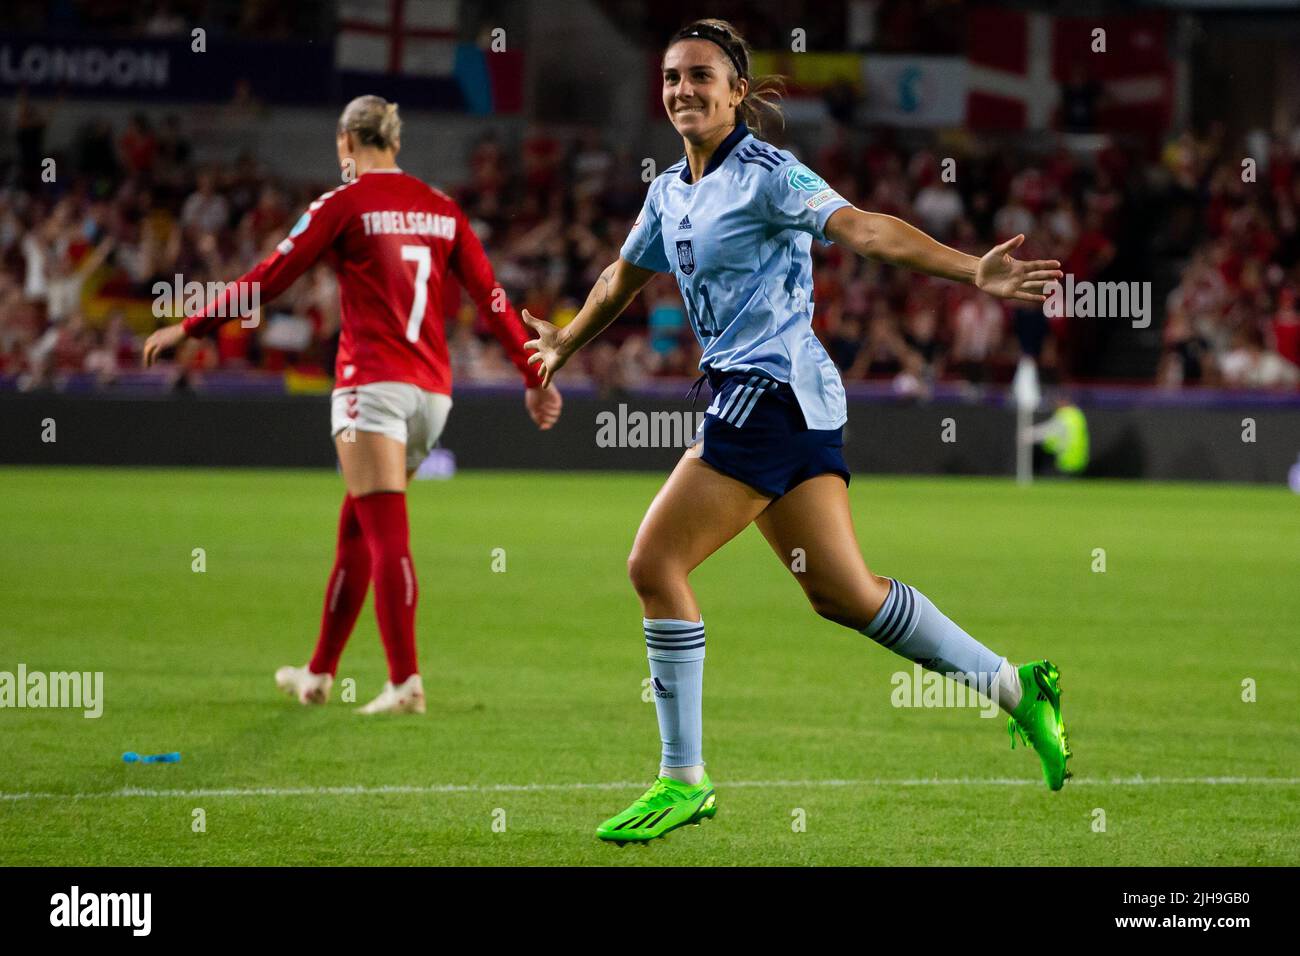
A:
406, 698
301, 683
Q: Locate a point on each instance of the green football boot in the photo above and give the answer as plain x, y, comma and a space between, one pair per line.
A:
667, 805
1038, 720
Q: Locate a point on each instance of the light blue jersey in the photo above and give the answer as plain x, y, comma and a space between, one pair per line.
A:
739, 242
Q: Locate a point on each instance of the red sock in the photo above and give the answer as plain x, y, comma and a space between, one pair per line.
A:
383, 518
345, 592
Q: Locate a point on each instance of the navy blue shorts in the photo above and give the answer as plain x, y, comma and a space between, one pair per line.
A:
754, 431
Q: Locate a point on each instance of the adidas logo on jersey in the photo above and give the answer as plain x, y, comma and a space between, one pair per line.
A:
685, 223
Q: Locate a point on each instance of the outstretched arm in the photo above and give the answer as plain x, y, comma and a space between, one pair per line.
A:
613, 291
314, 232
891, 240
471, 265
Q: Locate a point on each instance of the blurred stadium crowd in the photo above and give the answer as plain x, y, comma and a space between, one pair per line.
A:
1232, 318
79, 260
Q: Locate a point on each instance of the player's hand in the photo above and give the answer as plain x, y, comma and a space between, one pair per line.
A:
1002, 275
548, 348
544, 406
168, 337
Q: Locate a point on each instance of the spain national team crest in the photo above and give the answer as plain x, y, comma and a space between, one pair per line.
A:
685, 256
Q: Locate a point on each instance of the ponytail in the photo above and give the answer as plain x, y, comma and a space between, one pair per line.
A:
373, 121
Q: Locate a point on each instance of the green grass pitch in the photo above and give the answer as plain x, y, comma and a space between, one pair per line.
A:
535, 676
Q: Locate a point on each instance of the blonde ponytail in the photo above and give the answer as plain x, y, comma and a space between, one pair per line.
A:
373, 121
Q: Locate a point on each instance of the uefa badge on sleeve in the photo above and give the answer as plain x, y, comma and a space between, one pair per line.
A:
804, 179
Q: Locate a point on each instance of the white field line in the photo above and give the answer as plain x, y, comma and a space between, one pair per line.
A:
363, 791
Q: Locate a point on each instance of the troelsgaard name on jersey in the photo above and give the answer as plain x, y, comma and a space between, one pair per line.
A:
392, 222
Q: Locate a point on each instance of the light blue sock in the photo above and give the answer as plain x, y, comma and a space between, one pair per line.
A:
909, 625
676, 652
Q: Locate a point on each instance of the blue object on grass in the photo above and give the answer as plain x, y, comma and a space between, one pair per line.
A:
132, 757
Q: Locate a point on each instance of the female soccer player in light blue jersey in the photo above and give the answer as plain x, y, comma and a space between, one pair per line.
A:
734, 221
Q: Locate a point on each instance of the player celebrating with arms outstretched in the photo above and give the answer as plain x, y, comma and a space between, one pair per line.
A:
392, 240
734, 221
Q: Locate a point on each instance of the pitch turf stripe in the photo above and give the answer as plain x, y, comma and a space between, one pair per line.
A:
129, 792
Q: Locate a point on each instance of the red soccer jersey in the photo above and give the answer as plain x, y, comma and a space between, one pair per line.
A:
393, 241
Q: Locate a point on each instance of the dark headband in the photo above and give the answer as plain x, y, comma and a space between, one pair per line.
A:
706, 32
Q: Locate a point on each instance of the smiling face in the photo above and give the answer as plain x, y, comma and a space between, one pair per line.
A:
698, 92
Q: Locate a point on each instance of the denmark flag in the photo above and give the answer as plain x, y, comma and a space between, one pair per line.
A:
1018, 62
